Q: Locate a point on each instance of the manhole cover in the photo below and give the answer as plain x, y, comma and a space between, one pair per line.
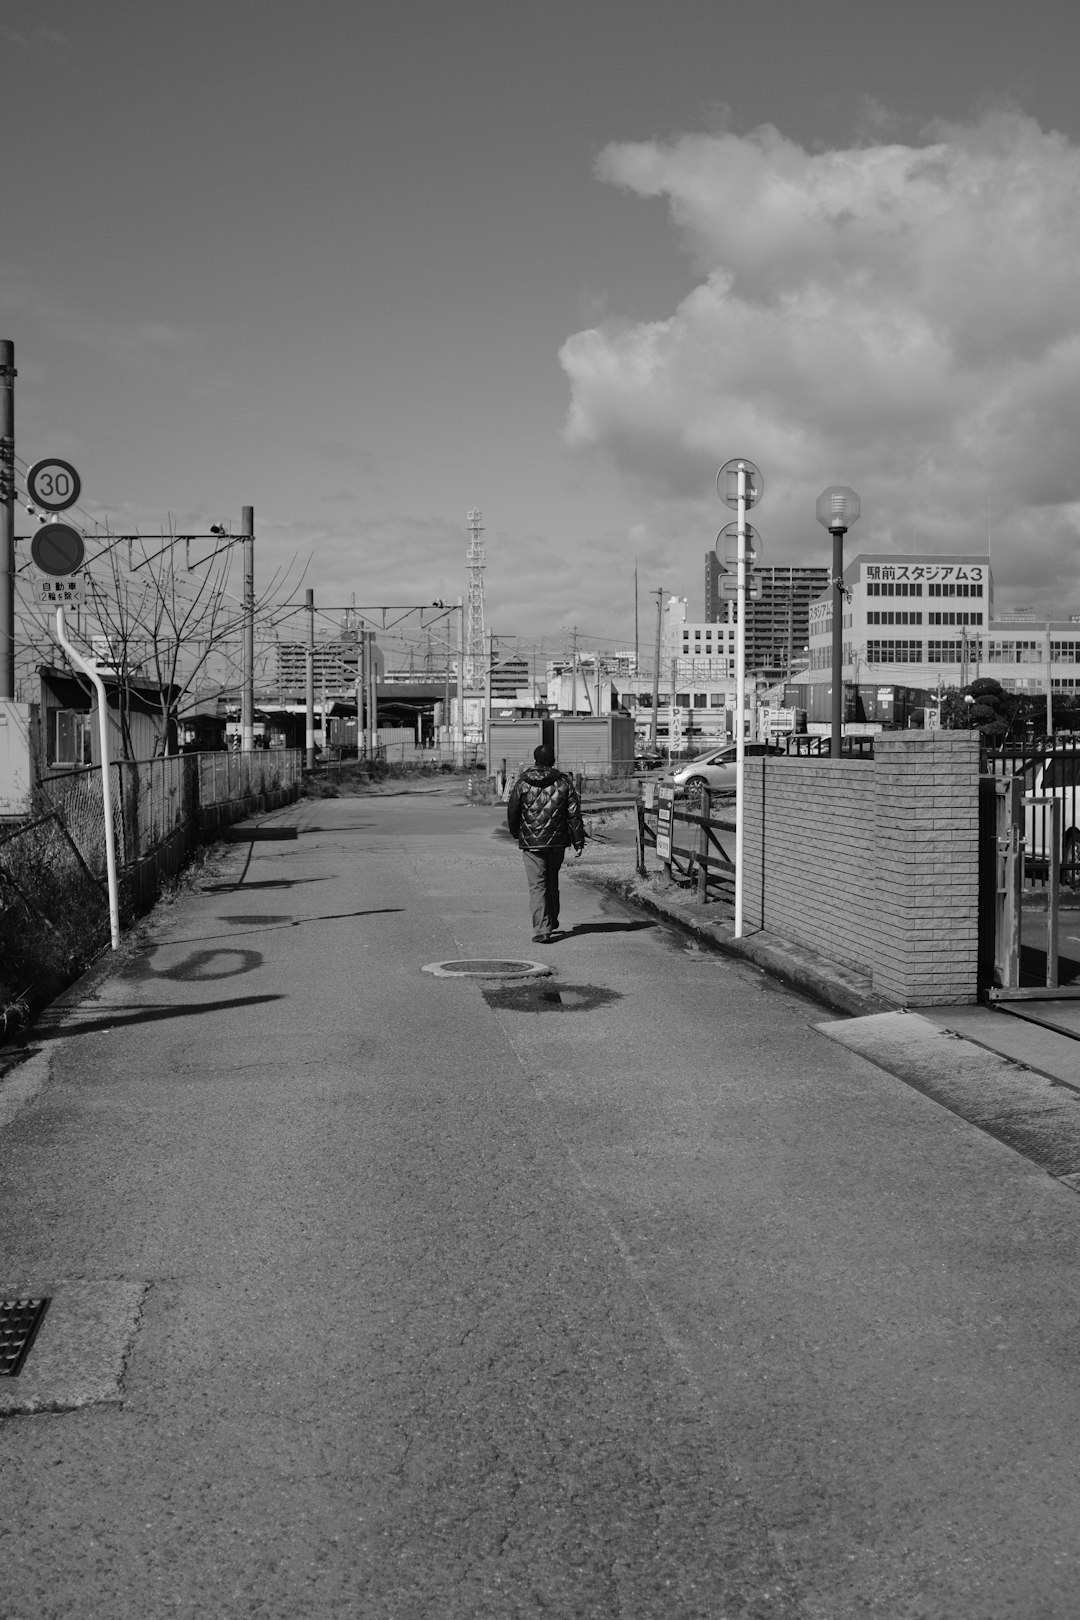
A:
19, 1322
486, 967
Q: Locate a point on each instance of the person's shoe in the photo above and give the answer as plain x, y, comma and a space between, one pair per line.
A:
541, 938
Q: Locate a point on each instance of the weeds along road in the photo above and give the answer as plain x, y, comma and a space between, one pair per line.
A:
647, 1300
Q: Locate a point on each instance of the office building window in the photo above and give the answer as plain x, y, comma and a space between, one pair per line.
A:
894, 618
894, 652
944, 652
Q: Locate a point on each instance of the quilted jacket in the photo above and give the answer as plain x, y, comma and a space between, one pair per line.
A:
544, 811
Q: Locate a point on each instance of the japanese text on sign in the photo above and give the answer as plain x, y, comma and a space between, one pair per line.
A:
60, 591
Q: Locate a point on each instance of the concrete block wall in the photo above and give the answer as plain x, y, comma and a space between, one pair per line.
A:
873, 862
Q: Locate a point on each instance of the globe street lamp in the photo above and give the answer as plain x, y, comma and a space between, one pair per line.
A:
837, 510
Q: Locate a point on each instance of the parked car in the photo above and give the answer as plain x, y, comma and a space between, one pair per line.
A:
715, 770
1056, 776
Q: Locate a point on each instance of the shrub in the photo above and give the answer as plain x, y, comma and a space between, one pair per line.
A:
54, 920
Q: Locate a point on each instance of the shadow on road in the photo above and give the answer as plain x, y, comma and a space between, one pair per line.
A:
152, 1015
604, 928
273, 922
269, 883
195, 968
544, 995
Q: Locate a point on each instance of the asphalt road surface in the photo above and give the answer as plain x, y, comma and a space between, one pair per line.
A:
622, 1293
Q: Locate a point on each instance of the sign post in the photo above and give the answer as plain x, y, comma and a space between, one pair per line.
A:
665, 815
740, 485
59, 552
89, 669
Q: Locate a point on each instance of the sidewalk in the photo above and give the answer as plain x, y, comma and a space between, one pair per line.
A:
1001, 1066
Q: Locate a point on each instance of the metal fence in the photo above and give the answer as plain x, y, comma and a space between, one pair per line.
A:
1049, 775
154, 799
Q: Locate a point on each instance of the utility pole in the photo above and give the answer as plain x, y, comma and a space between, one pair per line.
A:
247, 694
485, 722
309, 682
459, 723
7, 518
656, 669
573, 676
373, 692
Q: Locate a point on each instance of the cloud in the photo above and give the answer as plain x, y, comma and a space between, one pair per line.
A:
901, 317
45, 39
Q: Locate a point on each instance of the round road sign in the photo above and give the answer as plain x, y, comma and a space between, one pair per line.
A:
727, 483
53, 484
727, 542
57, 548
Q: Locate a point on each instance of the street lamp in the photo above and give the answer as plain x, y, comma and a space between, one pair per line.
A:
837, 510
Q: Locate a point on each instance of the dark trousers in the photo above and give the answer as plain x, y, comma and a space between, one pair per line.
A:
542, 870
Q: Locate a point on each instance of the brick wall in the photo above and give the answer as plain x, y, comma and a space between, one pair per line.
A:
873, 863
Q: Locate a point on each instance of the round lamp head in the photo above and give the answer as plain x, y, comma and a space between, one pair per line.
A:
837, 507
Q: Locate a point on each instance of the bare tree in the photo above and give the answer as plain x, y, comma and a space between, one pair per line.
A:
162, 624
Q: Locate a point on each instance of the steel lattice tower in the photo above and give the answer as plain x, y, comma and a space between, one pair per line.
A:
475, 658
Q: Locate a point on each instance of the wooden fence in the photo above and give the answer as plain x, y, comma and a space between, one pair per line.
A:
703, 858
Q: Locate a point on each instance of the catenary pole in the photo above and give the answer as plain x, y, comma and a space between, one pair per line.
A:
309, 680
7, 518
247, 694
656, 674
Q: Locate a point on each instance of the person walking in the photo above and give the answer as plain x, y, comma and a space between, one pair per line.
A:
544, 815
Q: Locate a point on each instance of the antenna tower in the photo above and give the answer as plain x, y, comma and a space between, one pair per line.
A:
475, 658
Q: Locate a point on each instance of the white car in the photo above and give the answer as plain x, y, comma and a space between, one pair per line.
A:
715, 770
1057, 776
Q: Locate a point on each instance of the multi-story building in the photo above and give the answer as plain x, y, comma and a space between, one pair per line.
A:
336, 663
928, 621
777, 626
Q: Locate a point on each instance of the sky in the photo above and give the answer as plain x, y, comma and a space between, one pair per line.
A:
365, 268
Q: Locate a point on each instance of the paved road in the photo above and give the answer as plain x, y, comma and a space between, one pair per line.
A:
642, 1301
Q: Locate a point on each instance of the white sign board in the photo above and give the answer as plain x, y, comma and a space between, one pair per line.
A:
59, 590
664, 821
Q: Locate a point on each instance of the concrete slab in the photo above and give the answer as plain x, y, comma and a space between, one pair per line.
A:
79, 1355
1025, 1040
1060, 1016
1037, 1116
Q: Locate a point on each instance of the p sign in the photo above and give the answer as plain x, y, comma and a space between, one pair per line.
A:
53, 485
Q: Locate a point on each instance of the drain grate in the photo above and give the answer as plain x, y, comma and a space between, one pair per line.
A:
19, 1322
485, 967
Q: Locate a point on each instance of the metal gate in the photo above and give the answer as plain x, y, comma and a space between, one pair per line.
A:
1031, 855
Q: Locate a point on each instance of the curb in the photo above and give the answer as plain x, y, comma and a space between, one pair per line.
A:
839, 988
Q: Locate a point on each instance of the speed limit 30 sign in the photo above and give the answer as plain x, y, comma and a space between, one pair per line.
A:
53, 484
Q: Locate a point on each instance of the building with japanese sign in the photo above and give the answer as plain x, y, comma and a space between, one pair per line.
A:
929, 622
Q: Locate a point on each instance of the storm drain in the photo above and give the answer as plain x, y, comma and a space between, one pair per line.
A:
485, 967
19, 1322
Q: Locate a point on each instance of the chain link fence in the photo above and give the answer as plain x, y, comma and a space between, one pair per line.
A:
54, 913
